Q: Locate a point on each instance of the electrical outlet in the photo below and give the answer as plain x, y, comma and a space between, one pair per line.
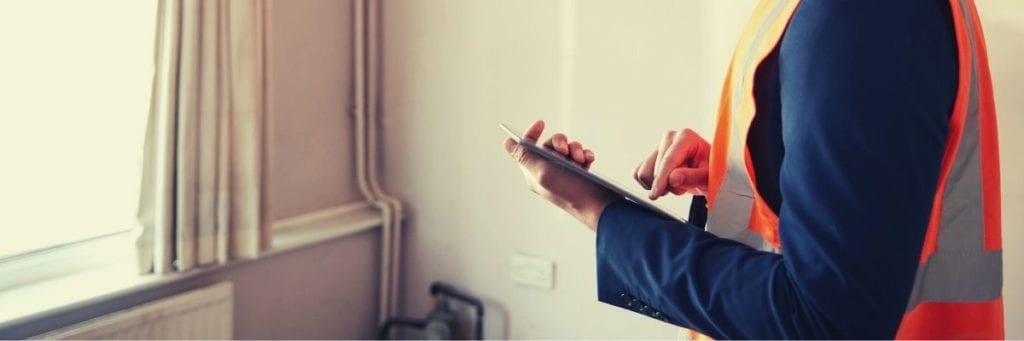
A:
532, 271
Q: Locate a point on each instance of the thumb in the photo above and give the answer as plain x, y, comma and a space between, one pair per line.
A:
518, 153
686, 179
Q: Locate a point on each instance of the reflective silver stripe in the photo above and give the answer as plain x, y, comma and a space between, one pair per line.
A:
734, 200
958, 277
735, 210
961, 270
961, 224
741, 79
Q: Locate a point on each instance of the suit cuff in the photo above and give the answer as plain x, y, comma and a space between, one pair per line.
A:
617, 239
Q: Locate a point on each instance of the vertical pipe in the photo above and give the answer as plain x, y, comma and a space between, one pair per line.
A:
373, 23
365, 112
358, 111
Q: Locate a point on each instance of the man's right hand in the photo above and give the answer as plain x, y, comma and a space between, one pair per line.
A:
678, 165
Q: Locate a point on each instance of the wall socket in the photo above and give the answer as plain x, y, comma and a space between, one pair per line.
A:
532, 271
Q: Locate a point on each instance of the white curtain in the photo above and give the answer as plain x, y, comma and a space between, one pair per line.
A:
202, 183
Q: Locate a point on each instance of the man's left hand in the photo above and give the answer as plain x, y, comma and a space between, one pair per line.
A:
567, 190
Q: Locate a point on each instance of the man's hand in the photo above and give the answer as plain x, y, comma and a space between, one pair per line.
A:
678, 165
567, 190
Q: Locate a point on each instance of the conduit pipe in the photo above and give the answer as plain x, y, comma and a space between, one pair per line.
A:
366, 63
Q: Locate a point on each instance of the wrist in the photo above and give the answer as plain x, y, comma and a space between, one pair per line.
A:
588, 211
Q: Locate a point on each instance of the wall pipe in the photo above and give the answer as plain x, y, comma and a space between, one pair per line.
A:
374, 21
366, 57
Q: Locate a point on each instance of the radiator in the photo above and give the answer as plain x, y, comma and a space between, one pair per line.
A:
204, 313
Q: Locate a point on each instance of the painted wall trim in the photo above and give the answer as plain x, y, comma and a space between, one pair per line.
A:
325, 224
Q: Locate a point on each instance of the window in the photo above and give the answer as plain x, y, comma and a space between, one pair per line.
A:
75, 83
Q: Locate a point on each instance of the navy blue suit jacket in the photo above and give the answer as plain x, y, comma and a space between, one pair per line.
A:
853, 110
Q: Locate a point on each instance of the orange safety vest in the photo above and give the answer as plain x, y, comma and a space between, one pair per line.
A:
957, 293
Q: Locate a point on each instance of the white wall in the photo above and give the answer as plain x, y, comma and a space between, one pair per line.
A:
610, 73
1003, 22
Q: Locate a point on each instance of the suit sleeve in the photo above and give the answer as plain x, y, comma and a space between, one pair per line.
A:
866, 90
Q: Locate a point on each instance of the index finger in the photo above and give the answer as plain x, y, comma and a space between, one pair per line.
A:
673, 157
533, 132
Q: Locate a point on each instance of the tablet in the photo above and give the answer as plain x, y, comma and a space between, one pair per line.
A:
596, 178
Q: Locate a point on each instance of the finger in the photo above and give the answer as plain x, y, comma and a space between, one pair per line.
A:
691, 180
554, 143
589, 158
510, 145
533, 132
665, 163
576, 151
516, 151
666, 141
559, 143
676, 155
659, 161
645, 171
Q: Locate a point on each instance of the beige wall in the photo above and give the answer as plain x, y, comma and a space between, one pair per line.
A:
610, 73
309, 93
328, 291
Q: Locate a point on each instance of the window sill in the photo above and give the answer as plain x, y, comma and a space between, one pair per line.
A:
37, 282
25, 301
117, 275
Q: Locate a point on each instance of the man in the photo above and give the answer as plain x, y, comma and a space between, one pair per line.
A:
852, 185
